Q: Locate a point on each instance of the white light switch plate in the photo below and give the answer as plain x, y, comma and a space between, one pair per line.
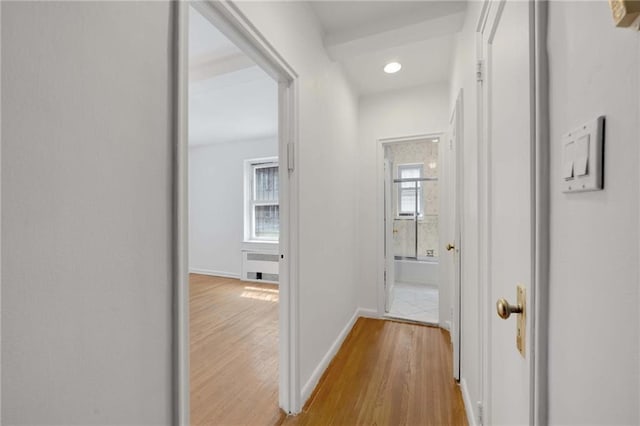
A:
582, 157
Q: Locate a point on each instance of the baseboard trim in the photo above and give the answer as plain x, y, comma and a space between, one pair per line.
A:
471, 415
368, 313
313, 381
214, 273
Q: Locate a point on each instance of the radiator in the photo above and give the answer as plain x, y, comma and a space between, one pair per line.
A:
260, 266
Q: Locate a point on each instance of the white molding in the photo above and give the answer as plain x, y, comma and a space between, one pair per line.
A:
313, 381
368, 313
214, 273
180, 225
468, 406
542, 238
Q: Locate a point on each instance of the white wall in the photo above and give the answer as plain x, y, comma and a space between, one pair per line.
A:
594, 357
463, 78
86, 197
327, 153
86, 307
216, 203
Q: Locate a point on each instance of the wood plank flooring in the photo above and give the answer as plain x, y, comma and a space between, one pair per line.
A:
234, 352
388, 373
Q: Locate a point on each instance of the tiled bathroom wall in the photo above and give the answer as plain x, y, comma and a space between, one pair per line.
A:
426, 153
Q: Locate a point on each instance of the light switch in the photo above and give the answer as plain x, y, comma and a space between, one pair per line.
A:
582, 157
568, 158
567, 170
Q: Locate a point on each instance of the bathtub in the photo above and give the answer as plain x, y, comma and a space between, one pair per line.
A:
422, 271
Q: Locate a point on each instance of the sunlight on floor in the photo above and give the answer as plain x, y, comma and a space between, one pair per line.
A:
258, 293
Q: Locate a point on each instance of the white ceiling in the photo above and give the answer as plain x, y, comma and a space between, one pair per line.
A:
230, 98
205, 39
366, 35
237, 106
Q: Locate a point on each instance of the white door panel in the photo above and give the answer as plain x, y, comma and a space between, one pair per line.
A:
454, 201
508, 111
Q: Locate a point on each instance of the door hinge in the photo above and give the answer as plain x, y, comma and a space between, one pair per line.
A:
290, 157
480, 412
479, 71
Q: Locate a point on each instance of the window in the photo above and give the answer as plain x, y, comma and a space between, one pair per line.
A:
409, 192
262, 219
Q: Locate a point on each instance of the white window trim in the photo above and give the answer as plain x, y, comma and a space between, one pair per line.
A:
399, 167
249, 166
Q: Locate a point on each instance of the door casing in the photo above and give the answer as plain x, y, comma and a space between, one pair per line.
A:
380, 190
228, 19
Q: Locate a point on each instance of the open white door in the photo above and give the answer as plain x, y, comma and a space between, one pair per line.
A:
389, 264
453, 243
508, 109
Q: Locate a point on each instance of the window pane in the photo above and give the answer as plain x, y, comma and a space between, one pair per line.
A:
407, 190
407, 201
267, 222
409, 172
266, 184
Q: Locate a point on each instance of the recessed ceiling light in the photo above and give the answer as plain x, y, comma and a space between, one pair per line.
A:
435, 140
433, 165
392, 67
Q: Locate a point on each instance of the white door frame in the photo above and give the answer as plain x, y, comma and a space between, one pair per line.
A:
228, 19
381, 143
537, 343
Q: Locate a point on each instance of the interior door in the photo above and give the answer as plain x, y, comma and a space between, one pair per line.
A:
453, 247
507, 53
389, 266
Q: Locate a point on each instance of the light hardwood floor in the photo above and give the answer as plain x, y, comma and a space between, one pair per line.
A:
234, 352
386, 373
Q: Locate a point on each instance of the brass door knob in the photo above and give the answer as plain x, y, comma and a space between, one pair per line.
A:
505, 309
450, 247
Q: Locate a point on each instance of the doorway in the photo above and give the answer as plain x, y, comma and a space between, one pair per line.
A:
258, 197
234, 227
412, 237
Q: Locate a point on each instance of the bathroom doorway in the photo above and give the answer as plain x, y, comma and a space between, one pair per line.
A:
412, 237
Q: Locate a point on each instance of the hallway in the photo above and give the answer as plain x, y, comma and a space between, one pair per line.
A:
387, 373
533, 110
